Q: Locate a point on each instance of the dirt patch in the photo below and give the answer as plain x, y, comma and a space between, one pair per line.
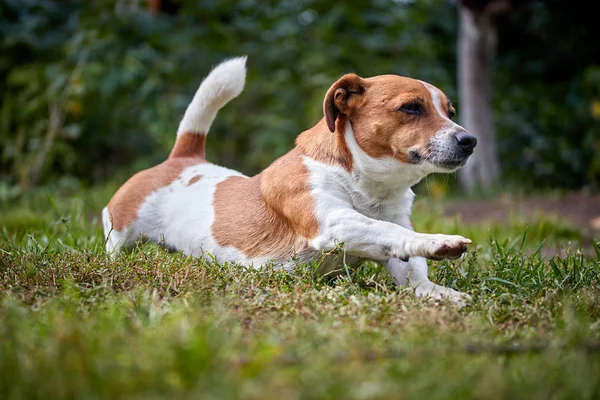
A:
580, 211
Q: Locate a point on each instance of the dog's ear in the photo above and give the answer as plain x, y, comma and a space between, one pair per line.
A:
343, 96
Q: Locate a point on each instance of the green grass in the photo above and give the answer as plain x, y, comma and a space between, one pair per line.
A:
151, 324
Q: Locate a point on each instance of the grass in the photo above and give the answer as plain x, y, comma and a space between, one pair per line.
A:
151, 324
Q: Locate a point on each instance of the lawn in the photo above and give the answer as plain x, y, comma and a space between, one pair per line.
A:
150, 324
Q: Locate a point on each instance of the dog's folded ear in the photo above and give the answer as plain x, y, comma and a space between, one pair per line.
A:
342, 97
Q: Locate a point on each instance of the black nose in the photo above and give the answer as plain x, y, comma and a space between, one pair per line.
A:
466, 142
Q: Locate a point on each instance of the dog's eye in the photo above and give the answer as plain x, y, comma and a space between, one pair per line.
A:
451, 113
412, 108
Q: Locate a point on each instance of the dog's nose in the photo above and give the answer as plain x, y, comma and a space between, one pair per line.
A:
466, 141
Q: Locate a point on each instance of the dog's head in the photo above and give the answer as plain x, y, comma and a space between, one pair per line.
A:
400, 118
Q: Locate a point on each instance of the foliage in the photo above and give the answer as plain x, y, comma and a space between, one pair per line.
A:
73, 323
105, 83
141, 70
547, 95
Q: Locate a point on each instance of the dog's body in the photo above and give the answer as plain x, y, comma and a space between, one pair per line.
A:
347, 182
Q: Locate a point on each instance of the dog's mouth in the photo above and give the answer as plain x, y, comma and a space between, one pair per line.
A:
450, 164
447, 160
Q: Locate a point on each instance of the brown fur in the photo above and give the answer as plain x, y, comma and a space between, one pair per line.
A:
372, 104
345, 94
270, 214
320, 144
286, 189
124, 205
194, 179
189, 145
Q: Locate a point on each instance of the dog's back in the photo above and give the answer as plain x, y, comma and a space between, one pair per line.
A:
143, 204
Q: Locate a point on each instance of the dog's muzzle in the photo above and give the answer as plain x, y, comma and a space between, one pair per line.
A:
452, 151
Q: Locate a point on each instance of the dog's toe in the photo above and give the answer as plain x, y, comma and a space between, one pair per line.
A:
448, 247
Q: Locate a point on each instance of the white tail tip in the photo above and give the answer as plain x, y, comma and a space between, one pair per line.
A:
224, 83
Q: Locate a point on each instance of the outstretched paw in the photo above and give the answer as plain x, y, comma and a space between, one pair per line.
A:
447, 247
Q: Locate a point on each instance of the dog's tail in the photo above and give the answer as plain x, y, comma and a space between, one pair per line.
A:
224, 83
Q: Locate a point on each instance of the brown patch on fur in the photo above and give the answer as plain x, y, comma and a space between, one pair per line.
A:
372, 106
383, 131
271, 214
320, 144
194, 179
124, 205
189, 145
286, 189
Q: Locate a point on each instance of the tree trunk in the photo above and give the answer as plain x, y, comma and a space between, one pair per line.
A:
477, 42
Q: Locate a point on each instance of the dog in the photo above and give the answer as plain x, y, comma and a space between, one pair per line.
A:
346, 185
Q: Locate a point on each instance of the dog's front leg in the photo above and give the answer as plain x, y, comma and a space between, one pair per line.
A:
398, 270
415, 272
380, 240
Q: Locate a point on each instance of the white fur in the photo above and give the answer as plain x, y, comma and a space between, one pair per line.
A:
368, 211
451, 127
114, 239
414, 272
379, 176
224, 83
437, 101
161, 220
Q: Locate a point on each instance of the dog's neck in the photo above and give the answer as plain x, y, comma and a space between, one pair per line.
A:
378, 178
320, 144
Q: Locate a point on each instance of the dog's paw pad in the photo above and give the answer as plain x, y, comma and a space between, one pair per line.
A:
450, 247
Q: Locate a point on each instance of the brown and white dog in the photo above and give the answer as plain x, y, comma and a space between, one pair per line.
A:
346, 184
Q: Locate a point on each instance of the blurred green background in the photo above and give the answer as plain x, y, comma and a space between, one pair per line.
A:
91, 91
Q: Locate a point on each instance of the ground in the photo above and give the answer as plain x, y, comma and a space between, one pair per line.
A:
154, 324
581, 211
577, 211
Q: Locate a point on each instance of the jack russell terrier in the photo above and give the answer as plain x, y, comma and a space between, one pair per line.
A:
346, 185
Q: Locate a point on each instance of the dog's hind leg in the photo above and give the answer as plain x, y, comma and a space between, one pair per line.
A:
115, 240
